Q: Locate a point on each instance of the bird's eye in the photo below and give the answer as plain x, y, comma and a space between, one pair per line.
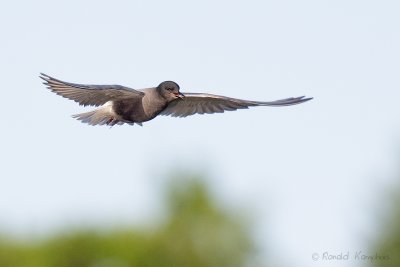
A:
170, 88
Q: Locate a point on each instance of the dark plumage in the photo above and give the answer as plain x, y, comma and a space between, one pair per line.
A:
120, 104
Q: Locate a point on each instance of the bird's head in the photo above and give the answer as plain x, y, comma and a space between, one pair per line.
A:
170, 90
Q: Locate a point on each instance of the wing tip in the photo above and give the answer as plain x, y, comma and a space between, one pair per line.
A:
300, 99
46, 79
304, 98
288, 101
44, 76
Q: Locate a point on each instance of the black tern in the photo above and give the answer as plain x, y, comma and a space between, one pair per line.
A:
120, 104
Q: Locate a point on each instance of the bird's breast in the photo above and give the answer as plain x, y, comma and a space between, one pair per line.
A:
152, 106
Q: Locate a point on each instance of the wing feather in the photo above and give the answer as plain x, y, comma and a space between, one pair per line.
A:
195, 103
89, 95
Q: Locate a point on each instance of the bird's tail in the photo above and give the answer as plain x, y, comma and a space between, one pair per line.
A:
101, 116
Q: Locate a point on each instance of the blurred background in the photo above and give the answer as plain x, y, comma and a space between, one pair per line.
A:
315, 184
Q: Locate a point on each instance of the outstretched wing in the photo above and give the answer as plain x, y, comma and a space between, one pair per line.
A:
89, 95
195, 103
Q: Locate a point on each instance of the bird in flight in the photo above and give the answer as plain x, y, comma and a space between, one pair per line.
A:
120, 104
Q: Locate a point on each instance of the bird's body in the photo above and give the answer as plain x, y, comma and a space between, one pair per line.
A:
152, 103
120, 104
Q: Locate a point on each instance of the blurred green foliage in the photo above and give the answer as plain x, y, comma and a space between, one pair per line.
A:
388, 245
196, 233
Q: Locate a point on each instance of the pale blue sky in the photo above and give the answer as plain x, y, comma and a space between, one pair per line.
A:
313, 175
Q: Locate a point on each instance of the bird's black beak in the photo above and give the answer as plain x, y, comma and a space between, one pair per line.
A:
180, 95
